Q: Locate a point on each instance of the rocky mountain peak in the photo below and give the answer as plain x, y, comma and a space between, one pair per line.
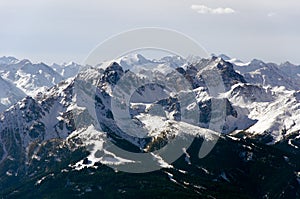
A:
112, 73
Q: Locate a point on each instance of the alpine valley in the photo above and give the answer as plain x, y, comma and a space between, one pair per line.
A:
51, 145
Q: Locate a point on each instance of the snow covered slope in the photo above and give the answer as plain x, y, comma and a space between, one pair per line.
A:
30, 78
67, 70
291, 69
267, 74
269, 97
274, 110
9, 94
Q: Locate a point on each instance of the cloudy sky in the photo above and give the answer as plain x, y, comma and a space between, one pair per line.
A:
63, 31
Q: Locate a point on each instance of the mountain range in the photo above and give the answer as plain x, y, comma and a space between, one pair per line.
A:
49, 135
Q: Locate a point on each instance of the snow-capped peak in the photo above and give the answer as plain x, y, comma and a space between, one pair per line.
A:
70, 64
174, 61
24, 61
231, 60
131, 60
224, 57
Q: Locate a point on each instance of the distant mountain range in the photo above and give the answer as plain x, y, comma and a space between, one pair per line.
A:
49, 138
30, 78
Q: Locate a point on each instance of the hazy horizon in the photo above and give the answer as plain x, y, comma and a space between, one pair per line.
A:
147, 56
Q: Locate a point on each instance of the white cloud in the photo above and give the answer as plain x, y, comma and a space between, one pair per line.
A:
202, 9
